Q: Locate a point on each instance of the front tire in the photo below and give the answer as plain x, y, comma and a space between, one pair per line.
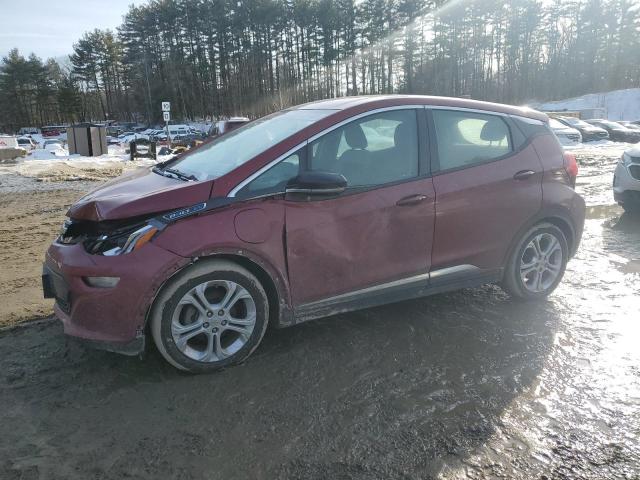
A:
211, 316
537, 264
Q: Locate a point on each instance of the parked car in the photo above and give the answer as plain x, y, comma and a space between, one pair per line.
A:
27, 143
566, 135
630, 125
323, 208
53, 130
626, 180
29, 131
114, 131
617, 132
159, 136
589, 132
52, 144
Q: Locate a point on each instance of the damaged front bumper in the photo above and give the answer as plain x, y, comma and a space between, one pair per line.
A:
109, 318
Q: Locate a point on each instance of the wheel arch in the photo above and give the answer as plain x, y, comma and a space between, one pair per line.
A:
555, 216
280, 311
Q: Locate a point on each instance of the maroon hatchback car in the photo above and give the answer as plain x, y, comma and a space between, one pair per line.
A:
318, 209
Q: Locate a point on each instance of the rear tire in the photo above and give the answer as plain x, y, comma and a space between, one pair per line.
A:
211, 316
536, 266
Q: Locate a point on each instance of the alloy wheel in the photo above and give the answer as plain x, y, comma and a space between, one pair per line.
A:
541, 262
213, 320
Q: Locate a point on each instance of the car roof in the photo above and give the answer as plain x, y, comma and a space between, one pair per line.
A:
370, 102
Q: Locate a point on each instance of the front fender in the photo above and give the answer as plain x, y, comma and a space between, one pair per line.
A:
215, 235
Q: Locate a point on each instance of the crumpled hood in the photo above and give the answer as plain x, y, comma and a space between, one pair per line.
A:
138, 193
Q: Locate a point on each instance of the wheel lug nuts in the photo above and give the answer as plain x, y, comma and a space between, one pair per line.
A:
205, 325
224, 322
221, 312
209, 314
214, 329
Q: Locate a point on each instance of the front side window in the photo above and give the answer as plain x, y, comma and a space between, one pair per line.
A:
237, 147
273, 180
374, 150
466, 138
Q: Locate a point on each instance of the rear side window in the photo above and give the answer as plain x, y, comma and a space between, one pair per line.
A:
374, 150
466, 138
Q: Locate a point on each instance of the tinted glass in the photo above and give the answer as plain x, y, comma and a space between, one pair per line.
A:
242, 144
374, 150
273, 180
467, 138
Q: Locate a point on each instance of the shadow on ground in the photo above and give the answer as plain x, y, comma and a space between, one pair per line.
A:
391, 392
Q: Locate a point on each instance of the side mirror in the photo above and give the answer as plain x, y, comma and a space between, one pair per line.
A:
317, 183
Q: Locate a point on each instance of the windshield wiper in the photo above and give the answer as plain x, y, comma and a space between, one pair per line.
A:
173, 173
180, 175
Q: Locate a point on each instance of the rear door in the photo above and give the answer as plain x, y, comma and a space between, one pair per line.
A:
377, 232
488, 185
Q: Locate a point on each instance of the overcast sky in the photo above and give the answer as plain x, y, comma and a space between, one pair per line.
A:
50, 27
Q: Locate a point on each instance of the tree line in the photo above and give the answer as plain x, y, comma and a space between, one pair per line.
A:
214, 58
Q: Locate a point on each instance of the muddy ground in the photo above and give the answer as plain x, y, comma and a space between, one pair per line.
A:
463, 385
34, 197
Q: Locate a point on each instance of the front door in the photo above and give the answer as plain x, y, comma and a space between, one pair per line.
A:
380, 229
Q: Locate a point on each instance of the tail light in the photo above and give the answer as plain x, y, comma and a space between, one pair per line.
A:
571, 167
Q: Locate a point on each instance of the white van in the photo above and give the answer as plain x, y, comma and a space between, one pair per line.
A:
178, 130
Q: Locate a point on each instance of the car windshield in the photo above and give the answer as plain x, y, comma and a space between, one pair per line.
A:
612, 124
576, 122
239, 146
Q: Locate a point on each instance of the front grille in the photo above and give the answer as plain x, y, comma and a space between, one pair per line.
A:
635, 171
573, 137
603, 134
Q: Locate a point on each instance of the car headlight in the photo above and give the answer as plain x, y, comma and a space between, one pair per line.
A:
626, 159
117, 242
134, 241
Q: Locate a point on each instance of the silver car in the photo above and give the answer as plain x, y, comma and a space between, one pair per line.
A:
565, 134
626, 180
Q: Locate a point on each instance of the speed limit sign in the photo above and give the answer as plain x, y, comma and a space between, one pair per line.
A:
166, 106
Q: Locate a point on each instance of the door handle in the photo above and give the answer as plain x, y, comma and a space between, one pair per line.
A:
411, 200
524, 174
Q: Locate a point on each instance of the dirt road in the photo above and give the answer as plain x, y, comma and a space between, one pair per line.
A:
464, 385
32, 210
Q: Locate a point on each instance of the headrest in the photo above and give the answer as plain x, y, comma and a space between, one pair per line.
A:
354, 136
493, 131
403, 135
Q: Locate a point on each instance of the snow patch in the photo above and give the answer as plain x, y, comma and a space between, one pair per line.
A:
617, 104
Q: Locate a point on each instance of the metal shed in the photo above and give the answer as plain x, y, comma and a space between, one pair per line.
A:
87, 139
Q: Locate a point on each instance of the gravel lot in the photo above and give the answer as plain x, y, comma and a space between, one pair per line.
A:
463, 385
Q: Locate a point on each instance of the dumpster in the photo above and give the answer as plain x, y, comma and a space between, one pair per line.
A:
87, 139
